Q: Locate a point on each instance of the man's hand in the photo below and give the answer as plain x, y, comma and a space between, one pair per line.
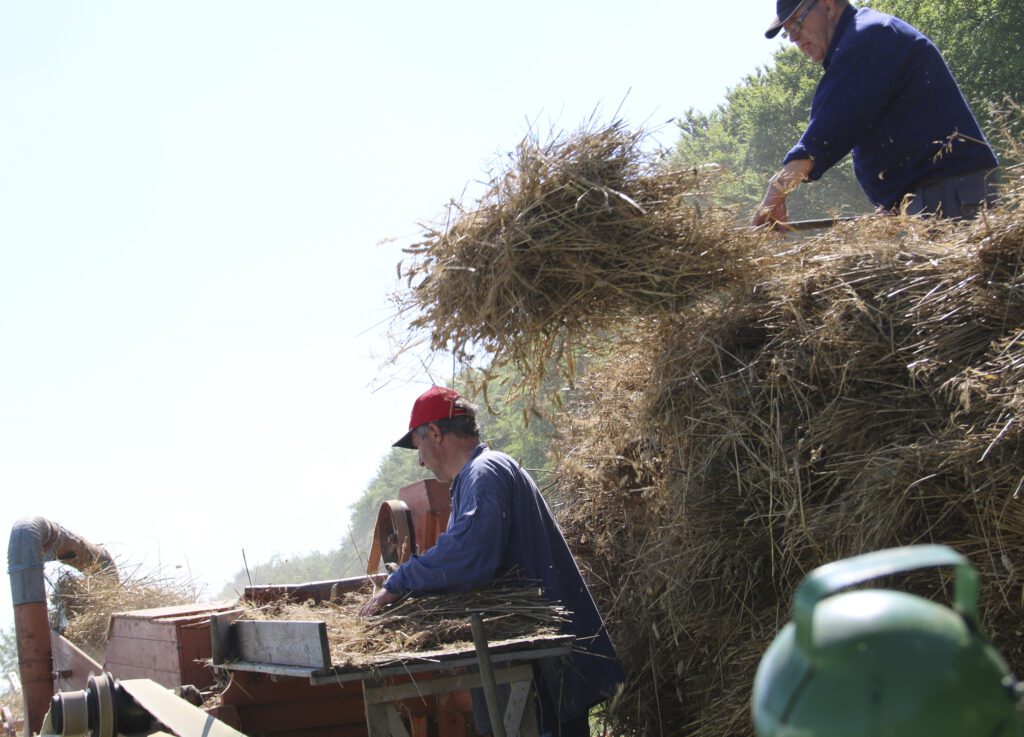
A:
773, 207
381, 599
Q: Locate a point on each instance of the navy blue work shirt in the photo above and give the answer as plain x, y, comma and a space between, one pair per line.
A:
888, 96
500, 524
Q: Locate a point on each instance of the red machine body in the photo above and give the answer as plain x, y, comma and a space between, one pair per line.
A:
172, 646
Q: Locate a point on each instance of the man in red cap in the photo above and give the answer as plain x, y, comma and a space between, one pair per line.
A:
500, 525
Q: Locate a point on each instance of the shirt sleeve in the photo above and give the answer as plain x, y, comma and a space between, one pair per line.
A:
468, 554
862, 76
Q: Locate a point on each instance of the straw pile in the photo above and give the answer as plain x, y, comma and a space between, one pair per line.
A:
82, 603
852, 392
414, 626
868, 395
570, 236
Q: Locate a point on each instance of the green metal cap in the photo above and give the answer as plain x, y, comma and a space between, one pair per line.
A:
884, 663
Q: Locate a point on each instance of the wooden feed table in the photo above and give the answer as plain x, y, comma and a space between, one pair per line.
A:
416, 686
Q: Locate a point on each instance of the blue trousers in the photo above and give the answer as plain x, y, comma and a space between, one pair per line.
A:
957, 198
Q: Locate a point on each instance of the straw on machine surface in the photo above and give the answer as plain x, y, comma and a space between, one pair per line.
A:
415, 626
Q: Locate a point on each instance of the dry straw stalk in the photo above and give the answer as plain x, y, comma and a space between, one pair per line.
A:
753, 407
415, 627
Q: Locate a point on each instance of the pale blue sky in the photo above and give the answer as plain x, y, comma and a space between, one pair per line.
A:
192, 295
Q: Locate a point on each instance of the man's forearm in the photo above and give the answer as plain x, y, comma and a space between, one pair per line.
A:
792, 175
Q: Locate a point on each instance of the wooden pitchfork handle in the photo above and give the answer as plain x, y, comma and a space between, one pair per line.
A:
819, 224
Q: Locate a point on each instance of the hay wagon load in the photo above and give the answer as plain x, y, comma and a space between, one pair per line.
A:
745, 407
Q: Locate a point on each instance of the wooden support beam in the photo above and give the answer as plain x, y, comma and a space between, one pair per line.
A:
383, 720
385, 692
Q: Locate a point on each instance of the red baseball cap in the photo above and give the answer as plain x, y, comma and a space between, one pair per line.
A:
436, 403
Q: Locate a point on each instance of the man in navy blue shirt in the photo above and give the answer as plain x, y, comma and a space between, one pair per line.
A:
887, 96
500, 525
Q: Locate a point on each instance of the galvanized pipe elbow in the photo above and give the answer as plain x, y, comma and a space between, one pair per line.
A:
34, 541
29, 537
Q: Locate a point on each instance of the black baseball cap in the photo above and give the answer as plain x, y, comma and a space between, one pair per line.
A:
784, 10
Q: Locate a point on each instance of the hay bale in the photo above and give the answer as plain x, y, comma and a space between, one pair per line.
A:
867, 395
752, 408
570, 236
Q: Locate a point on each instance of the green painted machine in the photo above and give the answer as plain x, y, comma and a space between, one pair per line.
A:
883, 663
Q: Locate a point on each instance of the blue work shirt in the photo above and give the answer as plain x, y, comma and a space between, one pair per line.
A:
500, 524
888, 96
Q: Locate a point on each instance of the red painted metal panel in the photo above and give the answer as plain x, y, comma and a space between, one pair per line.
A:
261, 705
315, 591
194, 654
429, 502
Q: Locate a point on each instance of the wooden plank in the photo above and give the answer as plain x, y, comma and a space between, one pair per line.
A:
316, 591
155, 654
377, 724
395, 724
141, 629
178, 610
166, 678
503, 646
340, 675
194, 651
519, 698
263, 688
163, 623
222, 636
271, 669
71, 665
387, 693
302, 644
528, 726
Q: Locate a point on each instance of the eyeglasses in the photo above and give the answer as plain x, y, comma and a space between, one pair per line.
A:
797, 25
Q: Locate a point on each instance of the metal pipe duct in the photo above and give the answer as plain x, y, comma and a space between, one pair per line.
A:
34, 542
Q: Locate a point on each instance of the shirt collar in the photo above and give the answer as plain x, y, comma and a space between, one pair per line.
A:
476, 451
844, 22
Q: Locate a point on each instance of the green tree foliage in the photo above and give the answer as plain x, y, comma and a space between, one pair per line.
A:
749, 134
397, 469
524, 436
400, 467
763, 116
